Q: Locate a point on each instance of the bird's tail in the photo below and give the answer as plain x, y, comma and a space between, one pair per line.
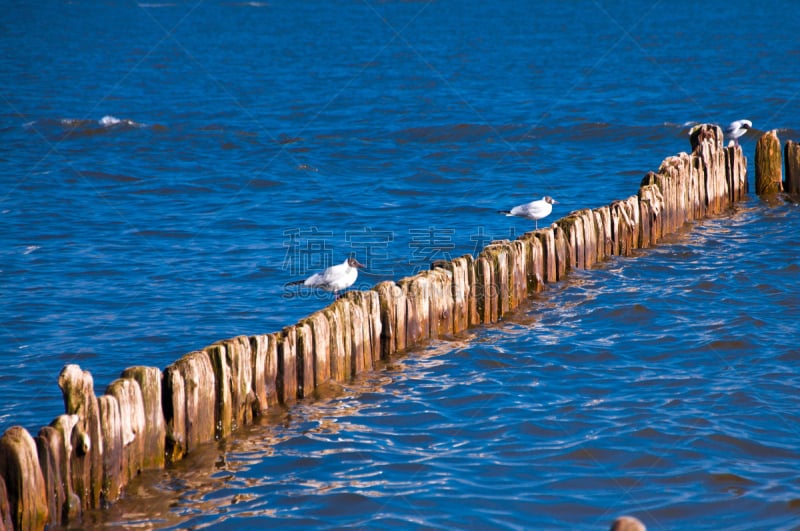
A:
506, 212
295, 282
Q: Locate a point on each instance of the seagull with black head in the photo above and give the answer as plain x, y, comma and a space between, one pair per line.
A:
535, 210
335, 278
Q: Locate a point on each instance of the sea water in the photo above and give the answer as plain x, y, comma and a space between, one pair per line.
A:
168, 168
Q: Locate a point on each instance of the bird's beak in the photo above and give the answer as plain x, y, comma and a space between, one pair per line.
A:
358, 264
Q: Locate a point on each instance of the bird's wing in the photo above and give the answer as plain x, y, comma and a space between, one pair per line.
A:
314, 280
333, 273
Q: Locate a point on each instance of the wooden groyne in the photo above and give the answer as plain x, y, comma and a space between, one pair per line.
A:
149, 418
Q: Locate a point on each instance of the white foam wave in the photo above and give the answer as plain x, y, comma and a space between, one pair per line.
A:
110, 121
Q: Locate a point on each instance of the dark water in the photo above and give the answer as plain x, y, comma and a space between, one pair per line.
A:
168, 167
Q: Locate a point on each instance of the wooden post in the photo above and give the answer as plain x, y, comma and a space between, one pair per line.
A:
149, 380
519, 260
367, 331
651, 205
572, 229
113, 448
77, 388
5, 510
393, 318
547, 237
462, 294
340, 342
133, 424
698, 190
190, 398
634, 220
54, 447
535, 269
321, 340
736, 172
562, 262
222, 380
617, 228
791, 159
711, 160
19, 468
441, 301
417, 290
287, 366
485, 289
264, 349
306, 377
358, 344
768, 164
372, 307
590, 232
605, 242
497, 255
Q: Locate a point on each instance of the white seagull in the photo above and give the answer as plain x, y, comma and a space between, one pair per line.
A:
335, 278
534, 210
737, 129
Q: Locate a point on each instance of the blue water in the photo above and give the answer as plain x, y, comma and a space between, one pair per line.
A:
168, 167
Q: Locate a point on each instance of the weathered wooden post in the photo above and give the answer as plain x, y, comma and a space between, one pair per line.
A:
562, 252
25, 486
485, 290
548, 241
320, 339
463, 296
372, 306
534, 269
651, 205
706, 143
768, 164
306, 364
602, 216
264, 348
154, 435
441, 302
113, 448
5, 510
77, 388
358, 340
572, 229
519, 271
791, 157
54, 447
287, 366
190, 403
497, 256
339, 324
736, 171
133, 422
417, 290
393, 318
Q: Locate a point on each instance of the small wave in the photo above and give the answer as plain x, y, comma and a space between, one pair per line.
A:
110, 121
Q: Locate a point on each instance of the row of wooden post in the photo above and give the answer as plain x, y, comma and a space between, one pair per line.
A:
149, 418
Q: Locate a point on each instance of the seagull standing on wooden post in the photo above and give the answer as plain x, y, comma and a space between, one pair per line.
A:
534, 210
737, 129
335, 278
